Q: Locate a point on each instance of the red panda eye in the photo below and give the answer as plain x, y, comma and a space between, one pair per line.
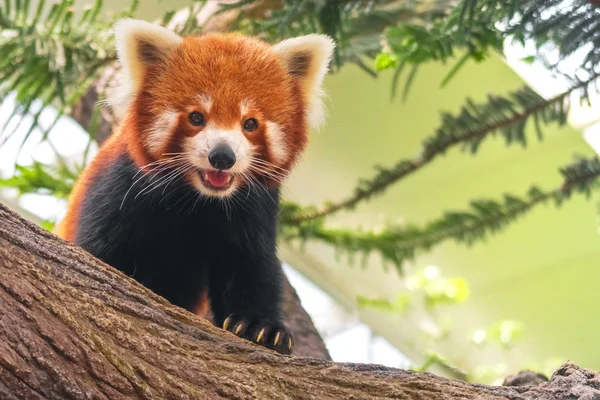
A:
196, 118
250, 124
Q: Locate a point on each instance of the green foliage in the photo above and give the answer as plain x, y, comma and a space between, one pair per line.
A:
47, 55
429, 293
398, 305
503, 333
425, 287
443, 36
396, 244
568, 27
438, 291
431, 359
47, 225
356, 25
39, 178
507, 116
384, 61
427, 290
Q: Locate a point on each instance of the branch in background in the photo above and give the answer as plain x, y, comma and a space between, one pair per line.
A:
560, 28
569, 26
474, 123
573, 26
356, 25
397, 244
414, 43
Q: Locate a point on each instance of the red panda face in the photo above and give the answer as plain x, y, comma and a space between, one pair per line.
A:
227, 110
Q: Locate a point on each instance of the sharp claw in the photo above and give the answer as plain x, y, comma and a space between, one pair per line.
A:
239, 328
260, 335
290, 344
277, 338
226, 323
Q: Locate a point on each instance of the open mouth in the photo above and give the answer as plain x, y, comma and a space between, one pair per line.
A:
216, 180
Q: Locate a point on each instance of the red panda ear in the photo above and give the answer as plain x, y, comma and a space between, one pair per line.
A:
140, 45
307, 59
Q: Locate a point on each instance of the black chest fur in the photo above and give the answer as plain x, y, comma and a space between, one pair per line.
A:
178, 244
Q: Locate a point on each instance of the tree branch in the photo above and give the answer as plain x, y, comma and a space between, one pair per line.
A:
511, 125
396, 244
73, 327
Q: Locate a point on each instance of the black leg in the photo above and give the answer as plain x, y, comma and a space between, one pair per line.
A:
246, 300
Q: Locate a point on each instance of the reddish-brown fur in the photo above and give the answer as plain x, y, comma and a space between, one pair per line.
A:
230, 69
111, 149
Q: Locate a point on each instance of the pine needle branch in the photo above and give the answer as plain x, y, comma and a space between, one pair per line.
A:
356, 25
471, 31
49, 57
505, 115
569, 26
397, 244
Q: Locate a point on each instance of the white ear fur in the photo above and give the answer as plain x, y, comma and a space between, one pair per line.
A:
140, 44
307, 59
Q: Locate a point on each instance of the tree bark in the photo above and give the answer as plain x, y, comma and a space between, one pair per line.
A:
72, 327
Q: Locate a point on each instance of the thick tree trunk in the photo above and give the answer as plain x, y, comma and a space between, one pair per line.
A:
72, 327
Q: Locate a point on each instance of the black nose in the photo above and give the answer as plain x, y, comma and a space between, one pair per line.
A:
222, 157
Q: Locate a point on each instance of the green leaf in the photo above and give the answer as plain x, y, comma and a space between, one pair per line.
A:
385, 61
454, 70
399, 305
528, 59
505, 333
48, 225
41, 179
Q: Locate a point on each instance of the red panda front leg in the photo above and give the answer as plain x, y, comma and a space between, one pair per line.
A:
274, 336
246, 301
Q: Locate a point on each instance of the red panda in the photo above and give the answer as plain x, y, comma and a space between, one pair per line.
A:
184, 196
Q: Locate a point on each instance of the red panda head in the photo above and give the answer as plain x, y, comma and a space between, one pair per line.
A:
226, 109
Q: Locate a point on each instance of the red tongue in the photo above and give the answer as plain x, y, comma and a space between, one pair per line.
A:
217, 178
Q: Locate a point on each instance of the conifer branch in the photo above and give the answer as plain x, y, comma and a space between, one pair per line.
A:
356, 25
506, 115
397, 244
50, 57
569, 26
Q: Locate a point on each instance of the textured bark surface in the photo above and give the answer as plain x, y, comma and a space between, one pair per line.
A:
72, 327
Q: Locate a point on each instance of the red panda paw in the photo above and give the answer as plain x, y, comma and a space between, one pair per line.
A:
272, 335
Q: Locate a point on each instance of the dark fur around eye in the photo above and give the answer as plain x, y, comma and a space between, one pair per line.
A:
250, 124
196, 118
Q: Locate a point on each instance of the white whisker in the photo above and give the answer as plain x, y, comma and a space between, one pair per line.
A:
267, 164
167, 178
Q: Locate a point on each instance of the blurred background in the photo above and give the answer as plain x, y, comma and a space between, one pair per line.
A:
444, 217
